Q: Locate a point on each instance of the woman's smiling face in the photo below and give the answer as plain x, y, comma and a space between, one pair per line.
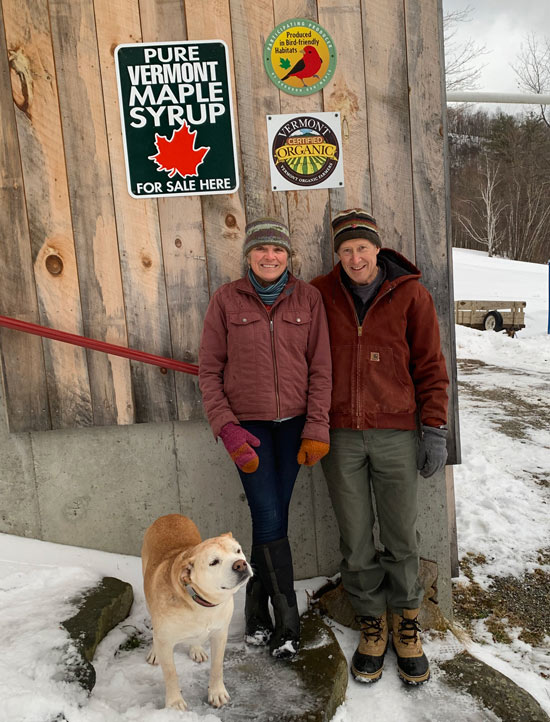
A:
268, 262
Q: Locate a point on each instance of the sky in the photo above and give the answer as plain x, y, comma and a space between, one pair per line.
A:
502, 26
501, 509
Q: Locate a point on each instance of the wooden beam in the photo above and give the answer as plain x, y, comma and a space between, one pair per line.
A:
346, 94
21, 356
385, 55
308, 211
118, 21
91, 198
430, 186
34, 87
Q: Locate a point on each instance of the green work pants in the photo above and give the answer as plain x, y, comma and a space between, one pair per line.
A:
379, 463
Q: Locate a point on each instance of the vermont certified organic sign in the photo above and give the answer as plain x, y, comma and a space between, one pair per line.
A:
305, 151
177, 118
299, 56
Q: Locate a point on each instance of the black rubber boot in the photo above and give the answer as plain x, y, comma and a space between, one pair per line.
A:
274, 564
285, 641
412, 664
259, 626
368, 660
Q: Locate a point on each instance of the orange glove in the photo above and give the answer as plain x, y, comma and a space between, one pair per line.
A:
311, 451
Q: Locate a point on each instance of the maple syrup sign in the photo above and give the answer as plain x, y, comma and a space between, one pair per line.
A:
177, 118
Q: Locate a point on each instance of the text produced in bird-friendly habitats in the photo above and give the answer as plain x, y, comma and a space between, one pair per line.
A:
177, 118
299, 56
305, 151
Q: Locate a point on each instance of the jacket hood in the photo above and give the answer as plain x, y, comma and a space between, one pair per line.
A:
397, 265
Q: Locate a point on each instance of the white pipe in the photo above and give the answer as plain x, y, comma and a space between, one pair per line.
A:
475, 96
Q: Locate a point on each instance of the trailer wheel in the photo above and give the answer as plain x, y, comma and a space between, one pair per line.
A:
493, 321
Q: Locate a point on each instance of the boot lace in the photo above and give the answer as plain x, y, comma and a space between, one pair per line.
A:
370, 627
408, 630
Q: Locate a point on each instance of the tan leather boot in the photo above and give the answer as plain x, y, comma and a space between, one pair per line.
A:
368, 660
412, 665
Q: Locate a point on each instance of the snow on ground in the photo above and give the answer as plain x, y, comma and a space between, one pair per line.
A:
502, 498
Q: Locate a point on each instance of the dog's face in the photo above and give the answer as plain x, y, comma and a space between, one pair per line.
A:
216, 566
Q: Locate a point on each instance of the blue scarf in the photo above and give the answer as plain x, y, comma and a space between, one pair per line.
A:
268, 294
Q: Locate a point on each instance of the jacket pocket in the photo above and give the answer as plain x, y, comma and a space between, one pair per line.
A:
242, 330
295, 329
386, 390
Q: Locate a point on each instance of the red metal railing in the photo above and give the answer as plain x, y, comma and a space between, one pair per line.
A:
95, 345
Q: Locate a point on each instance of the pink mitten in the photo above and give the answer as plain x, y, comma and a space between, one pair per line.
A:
239, 442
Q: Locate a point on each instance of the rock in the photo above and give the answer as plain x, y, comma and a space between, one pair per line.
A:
323, 668
99, 610
308, 688
492, 689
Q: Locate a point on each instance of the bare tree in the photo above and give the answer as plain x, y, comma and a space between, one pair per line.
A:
527, 218
482, 223
462, 59
532, 69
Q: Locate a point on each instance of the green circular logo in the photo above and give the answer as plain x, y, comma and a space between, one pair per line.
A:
299, 57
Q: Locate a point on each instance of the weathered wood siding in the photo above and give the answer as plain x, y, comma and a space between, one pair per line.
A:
78, 253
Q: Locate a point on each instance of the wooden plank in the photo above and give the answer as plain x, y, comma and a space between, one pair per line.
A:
118, 21
28, 38
223, 215
182, 238
251, 24
430, 180
21, 357
346, 94
82, 113
308, 211
385, 57
451, 521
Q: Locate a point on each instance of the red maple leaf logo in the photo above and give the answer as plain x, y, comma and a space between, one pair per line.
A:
178, 155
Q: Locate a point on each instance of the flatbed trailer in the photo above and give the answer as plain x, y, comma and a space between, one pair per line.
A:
506, 316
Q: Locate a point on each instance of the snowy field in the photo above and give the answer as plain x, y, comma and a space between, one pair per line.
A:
502, 513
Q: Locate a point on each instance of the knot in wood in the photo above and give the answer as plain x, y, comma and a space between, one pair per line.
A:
54, 264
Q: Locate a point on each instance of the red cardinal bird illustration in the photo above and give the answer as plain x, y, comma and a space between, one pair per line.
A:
308, 66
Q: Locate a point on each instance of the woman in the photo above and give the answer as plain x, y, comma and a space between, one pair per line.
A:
265, 377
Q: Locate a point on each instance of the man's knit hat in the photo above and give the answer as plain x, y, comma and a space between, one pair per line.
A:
264, 231
354, 223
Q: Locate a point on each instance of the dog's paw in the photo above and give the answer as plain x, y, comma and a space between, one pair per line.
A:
198, 654
176, 703
218, 696
152, 657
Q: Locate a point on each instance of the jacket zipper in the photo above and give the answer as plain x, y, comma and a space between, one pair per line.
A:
359, 336
275, 367
273, 355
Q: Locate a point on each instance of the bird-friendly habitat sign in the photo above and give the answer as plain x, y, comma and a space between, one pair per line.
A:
177, 118
299, 56
305, 151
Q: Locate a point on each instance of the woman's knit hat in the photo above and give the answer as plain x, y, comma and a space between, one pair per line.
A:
264, 231
354, 223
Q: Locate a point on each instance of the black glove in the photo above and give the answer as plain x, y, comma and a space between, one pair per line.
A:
432, 450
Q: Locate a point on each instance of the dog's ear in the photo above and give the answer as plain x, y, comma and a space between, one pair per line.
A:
229, 534
187, 563
186, 573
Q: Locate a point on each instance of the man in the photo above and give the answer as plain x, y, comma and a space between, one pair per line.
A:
387, 369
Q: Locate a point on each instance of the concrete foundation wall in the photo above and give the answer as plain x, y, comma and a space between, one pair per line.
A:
101, 487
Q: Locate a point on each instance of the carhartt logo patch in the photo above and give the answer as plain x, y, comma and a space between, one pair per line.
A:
374, 356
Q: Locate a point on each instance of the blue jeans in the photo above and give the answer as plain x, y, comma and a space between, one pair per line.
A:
269, 489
